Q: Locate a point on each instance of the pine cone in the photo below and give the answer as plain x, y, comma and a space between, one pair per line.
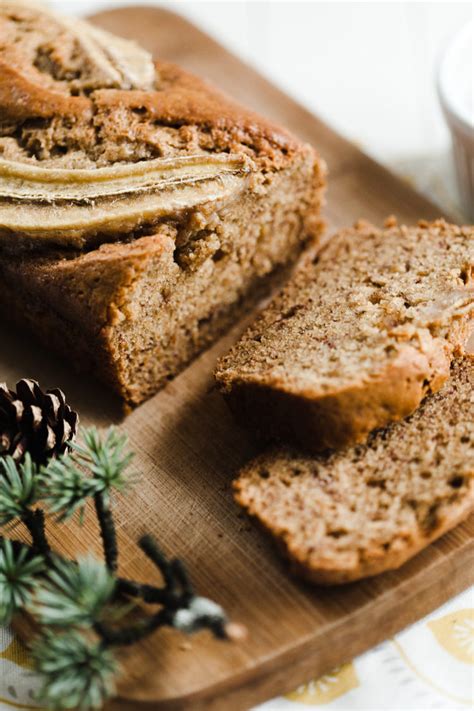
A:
34, 421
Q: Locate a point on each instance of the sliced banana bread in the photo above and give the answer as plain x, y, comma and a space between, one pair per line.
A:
357, 338
371, 507
139, 207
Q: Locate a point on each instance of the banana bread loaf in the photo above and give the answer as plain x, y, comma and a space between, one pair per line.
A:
357, 338
139, 207
371, 507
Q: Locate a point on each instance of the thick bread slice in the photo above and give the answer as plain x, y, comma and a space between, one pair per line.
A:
358, 337
369, 508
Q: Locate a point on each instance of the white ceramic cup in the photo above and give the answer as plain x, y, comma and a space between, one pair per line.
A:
456, 93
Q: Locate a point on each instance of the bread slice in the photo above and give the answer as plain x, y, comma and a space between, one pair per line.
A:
370, 508
139, 207
357, 338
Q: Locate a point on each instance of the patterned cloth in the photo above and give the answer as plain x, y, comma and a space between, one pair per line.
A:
428, 666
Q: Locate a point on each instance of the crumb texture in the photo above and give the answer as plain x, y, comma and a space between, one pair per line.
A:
358, 337
369, 508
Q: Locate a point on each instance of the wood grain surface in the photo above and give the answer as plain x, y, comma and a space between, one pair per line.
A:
189, 449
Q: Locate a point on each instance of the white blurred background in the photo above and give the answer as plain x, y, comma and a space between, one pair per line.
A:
368, 68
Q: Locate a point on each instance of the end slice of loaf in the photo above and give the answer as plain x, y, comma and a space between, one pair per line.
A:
357, 338
371, 507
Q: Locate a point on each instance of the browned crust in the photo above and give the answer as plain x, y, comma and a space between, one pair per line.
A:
275, 411
187, 99
182, 99
22, 98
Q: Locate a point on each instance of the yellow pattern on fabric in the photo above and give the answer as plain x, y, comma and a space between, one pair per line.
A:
455, 633
17, 706
427, 680
327, 688
17, 653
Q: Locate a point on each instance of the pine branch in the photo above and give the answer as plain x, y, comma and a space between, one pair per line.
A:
178, 590
18, 571
125, 588
74, 593
77, 672
35, 522
18, 488
107, 532
158, 558
84, 596
181, 576
130, 635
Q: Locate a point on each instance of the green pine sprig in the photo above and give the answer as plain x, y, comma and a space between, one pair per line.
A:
18, 487
18, 578
96, 467
64, 488
80, 605
74, 594
77, 672
106, 458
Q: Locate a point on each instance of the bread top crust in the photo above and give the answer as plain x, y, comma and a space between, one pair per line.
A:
369, 508
61, 106
78, 106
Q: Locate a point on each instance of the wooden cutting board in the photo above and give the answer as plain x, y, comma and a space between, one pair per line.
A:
189, 449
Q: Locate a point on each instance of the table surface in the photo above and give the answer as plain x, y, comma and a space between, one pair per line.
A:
379, 92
